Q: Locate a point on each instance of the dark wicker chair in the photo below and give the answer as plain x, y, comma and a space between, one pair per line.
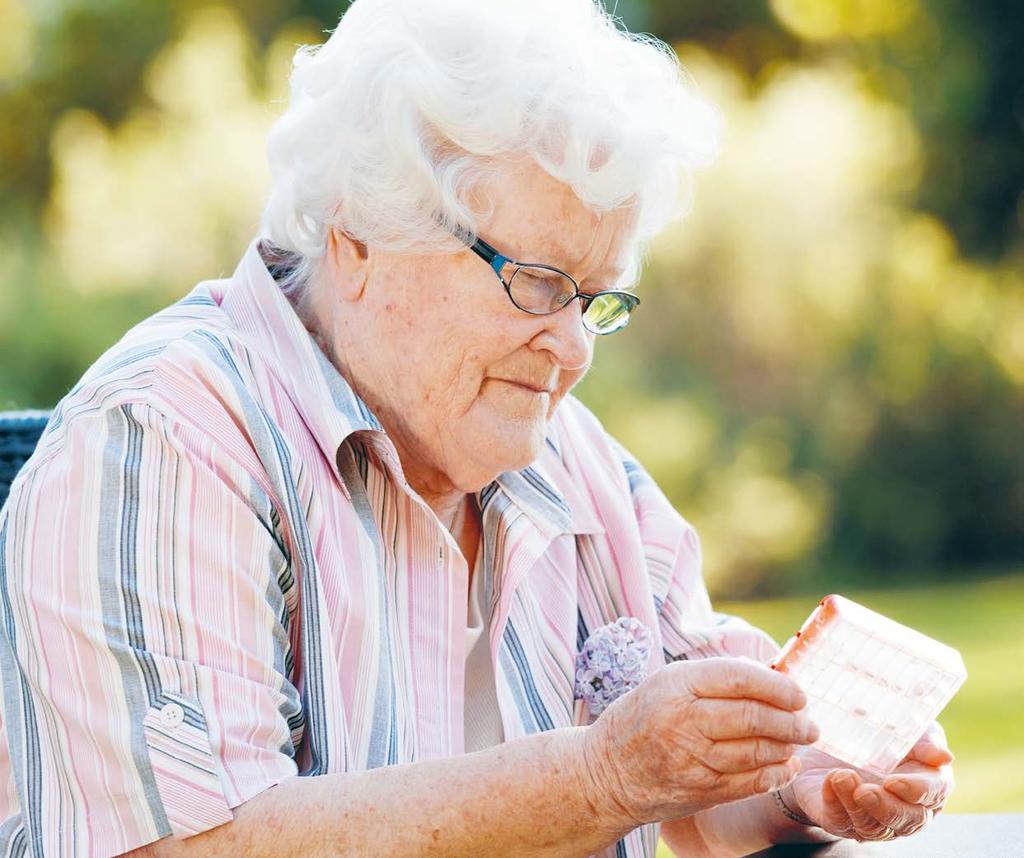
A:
19, 433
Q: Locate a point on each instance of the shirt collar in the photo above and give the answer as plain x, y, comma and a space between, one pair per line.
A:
262, 314
333, 411
549, 496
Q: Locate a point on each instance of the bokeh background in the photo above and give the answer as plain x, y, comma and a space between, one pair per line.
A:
826, 375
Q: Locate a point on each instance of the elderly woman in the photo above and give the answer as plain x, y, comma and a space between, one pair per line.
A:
303, 564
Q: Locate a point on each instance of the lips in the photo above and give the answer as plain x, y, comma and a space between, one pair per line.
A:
528, 385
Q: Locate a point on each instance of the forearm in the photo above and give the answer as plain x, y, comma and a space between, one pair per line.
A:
529, 797
738, 828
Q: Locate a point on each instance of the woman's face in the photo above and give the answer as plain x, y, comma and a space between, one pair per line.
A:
463, 381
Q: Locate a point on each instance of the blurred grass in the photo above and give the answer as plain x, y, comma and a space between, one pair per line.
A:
985, 721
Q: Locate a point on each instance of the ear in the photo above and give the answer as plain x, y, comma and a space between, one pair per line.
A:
348, 264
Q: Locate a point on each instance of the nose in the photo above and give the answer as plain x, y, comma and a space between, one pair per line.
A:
563, 335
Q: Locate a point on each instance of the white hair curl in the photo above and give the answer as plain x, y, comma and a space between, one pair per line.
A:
397, 118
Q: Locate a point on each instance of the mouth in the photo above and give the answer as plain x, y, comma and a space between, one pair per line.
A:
527, 386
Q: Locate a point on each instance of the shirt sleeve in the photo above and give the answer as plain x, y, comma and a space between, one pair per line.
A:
689, 627
144, 645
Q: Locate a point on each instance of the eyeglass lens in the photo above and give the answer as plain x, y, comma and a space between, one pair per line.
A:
541, 290
606, 313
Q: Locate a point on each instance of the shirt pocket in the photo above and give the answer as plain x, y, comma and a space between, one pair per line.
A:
183, 765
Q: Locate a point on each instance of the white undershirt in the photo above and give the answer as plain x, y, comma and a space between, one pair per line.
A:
483, 719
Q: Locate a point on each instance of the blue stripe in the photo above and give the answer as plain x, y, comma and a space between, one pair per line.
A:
314, 702
116, 582
21, 723
196, 299
345, 399
537, 498
305, 713
582, 633
383, 743
530, 698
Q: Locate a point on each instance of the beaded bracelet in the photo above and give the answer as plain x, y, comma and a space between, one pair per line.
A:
792, 814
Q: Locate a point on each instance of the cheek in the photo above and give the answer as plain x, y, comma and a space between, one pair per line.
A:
445, 350
446, 375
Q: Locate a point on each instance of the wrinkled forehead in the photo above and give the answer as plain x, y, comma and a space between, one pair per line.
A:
536, 218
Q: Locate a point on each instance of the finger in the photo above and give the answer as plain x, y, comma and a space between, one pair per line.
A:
931, 747
913, 767
743, 755
741, 719
865, 826
928, 790
739, 677
901, 817
910, 788
834, 817
762, 780
930, 754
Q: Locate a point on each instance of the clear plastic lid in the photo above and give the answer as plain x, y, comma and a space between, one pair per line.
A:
873, 685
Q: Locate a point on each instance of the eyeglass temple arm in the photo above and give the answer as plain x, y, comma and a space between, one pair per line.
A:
482, 249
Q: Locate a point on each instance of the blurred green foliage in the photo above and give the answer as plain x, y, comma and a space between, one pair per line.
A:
827, 373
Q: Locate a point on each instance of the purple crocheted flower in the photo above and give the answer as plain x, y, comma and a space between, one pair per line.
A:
612, 662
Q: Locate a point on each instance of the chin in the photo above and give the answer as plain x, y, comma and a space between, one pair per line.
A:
509, 451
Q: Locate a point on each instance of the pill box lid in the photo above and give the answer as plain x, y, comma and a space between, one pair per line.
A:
834, 608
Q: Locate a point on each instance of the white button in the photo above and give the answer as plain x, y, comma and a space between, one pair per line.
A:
172, 715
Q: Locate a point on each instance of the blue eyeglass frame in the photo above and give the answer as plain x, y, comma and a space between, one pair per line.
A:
498, 260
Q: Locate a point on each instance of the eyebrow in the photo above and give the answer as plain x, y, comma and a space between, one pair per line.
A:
553, 254
559, 252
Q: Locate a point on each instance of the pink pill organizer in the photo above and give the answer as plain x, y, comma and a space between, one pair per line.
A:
872, 684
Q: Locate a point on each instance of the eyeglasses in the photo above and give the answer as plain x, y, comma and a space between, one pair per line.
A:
543, 289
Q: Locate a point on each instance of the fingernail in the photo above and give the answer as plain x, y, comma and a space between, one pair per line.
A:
844, 780
869, 799
808, 730
898, 785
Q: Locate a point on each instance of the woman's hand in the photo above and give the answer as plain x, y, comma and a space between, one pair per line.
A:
695, 734
835, 796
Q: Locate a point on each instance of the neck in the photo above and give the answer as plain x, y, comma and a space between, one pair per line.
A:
436, 490
445, 506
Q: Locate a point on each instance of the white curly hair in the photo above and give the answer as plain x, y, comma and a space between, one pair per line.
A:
394, 121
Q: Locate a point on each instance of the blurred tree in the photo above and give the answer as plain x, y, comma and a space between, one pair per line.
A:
955, 66
827, 375
967, 95
89, 56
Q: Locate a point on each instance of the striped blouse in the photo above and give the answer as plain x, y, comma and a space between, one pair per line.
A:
213, 577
